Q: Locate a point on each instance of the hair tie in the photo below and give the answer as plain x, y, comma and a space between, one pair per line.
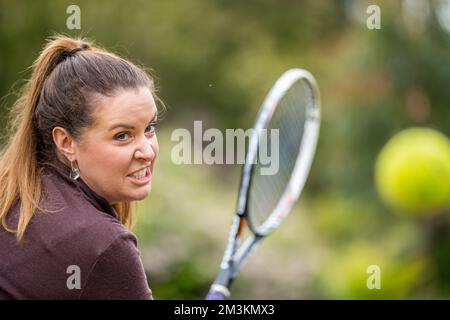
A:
71, 52
65, 54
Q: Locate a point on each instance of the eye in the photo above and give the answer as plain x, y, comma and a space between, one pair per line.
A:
120, 136
151, 128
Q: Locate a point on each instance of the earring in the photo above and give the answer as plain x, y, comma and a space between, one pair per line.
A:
74, 172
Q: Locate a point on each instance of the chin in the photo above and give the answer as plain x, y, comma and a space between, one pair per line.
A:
140, 195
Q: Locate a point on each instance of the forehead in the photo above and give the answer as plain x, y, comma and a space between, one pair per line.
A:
127, 105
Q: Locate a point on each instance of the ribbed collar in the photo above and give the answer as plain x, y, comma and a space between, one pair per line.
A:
97, 201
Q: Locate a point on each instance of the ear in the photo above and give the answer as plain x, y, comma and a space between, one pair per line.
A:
64, 143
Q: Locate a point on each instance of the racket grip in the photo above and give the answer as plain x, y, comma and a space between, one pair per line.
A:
218, 292
215, 296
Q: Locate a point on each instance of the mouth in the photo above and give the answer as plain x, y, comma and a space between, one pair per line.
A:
142, 176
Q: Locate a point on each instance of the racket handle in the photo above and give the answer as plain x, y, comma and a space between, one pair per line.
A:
215, 296
218, 292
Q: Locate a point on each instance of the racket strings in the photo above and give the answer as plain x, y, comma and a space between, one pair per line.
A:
289, 118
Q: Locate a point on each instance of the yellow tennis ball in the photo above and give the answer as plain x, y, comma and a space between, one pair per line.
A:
412, 171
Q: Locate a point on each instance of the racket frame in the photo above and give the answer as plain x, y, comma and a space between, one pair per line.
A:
235, 255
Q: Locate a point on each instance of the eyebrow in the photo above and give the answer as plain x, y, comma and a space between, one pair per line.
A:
127, 126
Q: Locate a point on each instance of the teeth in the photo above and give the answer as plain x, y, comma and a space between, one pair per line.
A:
139, 174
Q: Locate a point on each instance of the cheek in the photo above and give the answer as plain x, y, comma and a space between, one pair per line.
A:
155, 146
105, 162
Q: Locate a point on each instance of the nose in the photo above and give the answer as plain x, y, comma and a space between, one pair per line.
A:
146, 150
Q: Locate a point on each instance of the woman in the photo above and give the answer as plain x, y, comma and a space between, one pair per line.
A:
81, 148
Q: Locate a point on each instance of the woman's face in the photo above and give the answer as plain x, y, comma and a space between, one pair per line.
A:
116, 155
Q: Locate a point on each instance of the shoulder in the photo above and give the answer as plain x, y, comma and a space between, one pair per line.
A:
73, 219
69, 233
118, 273
101, 248
78, 235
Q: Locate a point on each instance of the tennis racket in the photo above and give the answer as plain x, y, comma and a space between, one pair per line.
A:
292, 107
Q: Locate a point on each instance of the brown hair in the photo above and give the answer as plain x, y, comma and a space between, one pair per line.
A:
66, 76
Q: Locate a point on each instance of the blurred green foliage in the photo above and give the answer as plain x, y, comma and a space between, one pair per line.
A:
214, 60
